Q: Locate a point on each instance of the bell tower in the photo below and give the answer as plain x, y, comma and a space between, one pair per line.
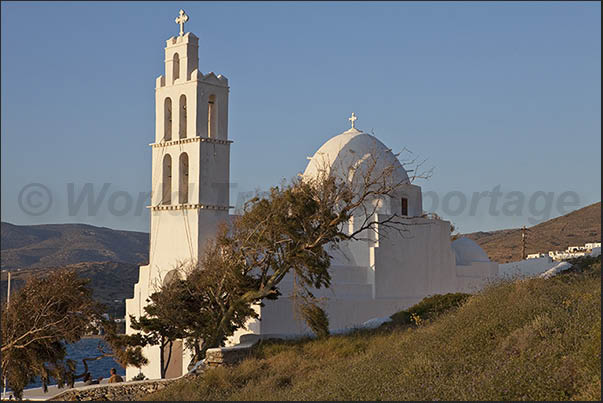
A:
190, 173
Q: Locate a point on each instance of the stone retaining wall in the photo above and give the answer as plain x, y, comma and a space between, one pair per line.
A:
116, 391
215, 357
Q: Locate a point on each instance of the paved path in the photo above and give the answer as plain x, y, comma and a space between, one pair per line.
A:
53, 390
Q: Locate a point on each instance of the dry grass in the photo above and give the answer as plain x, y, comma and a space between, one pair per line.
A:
524, 340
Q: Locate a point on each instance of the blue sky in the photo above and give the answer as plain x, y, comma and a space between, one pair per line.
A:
492, 94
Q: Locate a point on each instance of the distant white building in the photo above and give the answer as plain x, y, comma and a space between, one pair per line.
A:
589, 249
538, 263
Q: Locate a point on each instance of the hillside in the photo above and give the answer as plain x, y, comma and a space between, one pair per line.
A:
109, 258
525, 340
575, 228
55, 245
111, 282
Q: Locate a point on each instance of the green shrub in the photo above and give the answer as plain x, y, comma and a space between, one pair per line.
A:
429, 308
316, 318
583, 265
139, 377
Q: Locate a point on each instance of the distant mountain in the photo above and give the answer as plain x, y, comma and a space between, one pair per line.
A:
55, 245
575, 228
109, 258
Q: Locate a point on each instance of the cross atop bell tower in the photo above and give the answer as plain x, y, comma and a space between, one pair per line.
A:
182, 18
181, 54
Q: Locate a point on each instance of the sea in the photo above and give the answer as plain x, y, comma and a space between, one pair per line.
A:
88, 347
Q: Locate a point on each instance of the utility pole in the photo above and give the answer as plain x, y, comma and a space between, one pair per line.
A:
8, 291
7, 302
523, 242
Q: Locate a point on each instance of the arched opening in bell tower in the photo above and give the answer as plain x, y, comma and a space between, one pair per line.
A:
182, 109
212, 129
166, 194
183, 175
167, 119
176, 67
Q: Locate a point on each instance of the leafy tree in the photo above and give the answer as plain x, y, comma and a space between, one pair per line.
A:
161, 324
40, 319
44, 316
192, 308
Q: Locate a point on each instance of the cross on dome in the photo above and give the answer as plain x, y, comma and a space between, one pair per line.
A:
353, 120
181, 20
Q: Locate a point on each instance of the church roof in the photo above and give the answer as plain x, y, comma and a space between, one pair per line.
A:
353, 148
467, 251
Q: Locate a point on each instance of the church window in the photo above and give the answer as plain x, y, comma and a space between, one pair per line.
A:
182, 108
176, 65
183, 175
167, 119
404, 206
211, 117
166, 197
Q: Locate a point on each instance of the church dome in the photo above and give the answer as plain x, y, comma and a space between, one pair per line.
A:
354, 148
467, 251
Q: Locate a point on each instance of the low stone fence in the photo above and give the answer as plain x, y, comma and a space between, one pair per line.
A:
215, 357
115, 391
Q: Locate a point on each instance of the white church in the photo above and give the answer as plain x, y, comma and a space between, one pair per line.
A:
372, 278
